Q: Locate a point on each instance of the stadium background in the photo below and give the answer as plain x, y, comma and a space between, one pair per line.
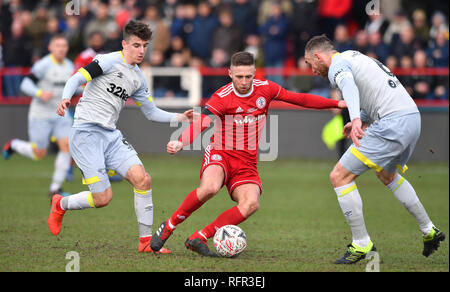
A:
410, 37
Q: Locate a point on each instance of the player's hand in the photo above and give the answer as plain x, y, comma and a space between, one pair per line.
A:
174, 146
187, 116
46, 95
347, 129
62, 106
342, 104
356, 132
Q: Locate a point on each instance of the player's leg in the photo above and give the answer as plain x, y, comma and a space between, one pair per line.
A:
39, 133
86, 147
143, 203
63, 160
351, 205
406, 195
62, 164
211, 182
247, 197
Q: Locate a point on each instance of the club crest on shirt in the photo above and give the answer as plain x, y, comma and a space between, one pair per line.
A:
261, 102
216, 157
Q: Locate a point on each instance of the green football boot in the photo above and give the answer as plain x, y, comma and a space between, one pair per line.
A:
432, 241
355, 253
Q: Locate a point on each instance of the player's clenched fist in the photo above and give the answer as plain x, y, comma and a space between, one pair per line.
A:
62, 106
174, 147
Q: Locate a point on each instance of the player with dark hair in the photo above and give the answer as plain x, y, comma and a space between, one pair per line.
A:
96, 144
240, 109
45, 84
384, 128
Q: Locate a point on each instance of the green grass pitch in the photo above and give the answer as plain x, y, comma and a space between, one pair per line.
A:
299, 226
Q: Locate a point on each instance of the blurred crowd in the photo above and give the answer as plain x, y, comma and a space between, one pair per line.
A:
405, 34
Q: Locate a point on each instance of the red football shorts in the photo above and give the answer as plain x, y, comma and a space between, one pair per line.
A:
238, 170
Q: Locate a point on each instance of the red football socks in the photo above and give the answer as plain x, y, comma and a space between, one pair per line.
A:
189, 205
231, 216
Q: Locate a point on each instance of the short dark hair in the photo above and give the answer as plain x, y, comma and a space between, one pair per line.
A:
242, 59
137, 28
58, 36
320, 43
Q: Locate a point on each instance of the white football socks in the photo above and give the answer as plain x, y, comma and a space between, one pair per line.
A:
62, 165
24, 148
406, 195
78, 201
351, 205
143, 206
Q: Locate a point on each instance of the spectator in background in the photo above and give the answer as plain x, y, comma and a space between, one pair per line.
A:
331, 14
17, 54
74, 36
438, 50
438, 55
227, 36
303, 25
113, 40
377, 47
376, 22
405, 45
391, 62
342, 39
275, 32
265, 9
177, 46
95, 46
245, 15
219, 59
51, 30
101, 23
161, 35
406, 63
160, 83
421, 84
36, 30
253, 46
174, 86
420, 26
361, 42
396, 26
204, 25
301, 83
438, 23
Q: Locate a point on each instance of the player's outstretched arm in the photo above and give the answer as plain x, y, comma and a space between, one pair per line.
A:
309, 100
201, 122
70, 88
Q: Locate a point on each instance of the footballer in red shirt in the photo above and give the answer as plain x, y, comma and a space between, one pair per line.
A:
239, 109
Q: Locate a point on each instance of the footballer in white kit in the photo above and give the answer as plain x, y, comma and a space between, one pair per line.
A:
385, 126
45, 85
95, 143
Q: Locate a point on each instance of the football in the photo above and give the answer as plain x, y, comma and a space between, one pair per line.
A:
230, 241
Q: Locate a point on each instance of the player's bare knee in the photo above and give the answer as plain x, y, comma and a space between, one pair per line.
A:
385, 177
248, 207
334, 177
146, 182
207, 191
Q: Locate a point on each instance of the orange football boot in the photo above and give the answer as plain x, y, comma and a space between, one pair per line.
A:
144, 246
56, 215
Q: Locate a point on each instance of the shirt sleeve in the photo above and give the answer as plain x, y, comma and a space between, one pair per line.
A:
145, 102
29, 83
216, 105
99, 65
341, 76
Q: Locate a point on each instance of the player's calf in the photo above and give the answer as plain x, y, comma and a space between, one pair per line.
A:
102, 199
